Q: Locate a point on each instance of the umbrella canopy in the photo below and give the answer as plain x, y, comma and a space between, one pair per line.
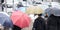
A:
5, 13
53, 10
30, 10
34, 10
23, 9
47, 11
5, 20
20, 19
38, 10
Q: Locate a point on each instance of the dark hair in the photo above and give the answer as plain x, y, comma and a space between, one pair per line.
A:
46, 15
35, 14
39, 14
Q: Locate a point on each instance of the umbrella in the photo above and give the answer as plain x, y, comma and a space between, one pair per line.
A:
34, 10
30, 10
38, 10
20, 19
47, 11
23, 9
5, 20
5, 13
53, 10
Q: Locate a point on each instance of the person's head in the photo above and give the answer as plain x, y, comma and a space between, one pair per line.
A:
39, 14
35, 14
46, 15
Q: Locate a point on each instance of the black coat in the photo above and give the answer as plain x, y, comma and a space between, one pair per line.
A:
39, 24
53, 23
58, 23
16, 28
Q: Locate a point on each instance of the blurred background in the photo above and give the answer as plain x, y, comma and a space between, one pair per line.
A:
10, 5
29, 7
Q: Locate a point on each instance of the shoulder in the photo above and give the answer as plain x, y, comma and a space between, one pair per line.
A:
39, 19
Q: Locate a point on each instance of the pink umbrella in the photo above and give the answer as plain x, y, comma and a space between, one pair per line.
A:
20, 19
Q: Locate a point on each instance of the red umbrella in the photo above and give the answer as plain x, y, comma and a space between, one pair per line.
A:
20, 19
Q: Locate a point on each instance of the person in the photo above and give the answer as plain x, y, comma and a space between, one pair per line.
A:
39, 23
1, 1
52, 22
46, 16
16, 27
19, 4
58, 22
